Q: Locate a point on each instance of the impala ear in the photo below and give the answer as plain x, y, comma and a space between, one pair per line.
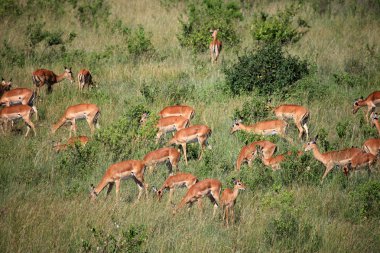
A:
92, 187
361, 98
234, 180
65, 67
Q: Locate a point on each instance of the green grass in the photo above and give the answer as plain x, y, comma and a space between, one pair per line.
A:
44, 205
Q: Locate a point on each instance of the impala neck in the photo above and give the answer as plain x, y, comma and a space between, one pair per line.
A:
318, 155
245, 128
362, 103
235, 192
60, 77
377, 125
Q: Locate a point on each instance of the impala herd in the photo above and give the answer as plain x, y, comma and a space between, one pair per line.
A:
19, 104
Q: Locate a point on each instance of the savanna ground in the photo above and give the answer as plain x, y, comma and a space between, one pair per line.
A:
133, 51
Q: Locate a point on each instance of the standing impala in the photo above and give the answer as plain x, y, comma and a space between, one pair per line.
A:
215, 46
270, 127
43, 76
332, 158
90, 112
20, 111
22, 96
298, 113
372, 146
5, 86
122, 170
228, 199
170, 124
71, 142
372, 101
170, 156
84, 78
246, 153
375, 121
196, 133
177, 110
360, 161
207, 187
178, 180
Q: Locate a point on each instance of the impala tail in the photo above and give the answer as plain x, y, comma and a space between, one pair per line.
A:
96, 118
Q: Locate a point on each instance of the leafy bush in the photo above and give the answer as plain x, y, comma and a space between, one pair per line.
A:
267, 70
287, 232
205, 15
277, 28
10, 56
343, 129
139, 43
92, 12
256, 109
128, 240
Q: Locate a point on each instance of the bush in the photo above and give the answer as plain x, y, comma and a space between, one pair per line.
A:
278, 28
92, 12
256, 109
139, 43
267, 70
205, 15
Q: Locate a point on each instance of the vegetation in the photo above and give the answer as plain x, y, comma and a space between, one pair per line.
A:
145, 58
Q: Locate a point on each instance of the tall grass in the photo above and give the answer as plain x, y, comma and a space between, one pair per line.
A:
44, 204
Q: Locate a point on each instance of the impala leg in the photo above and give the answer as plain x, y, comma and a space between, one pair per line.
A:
300, 129
226, 215
171, 191
329, 167
29, 124
306, 131
117, 183
184, 151
233, 214
139, 180
158, 136
90, 121
110, 186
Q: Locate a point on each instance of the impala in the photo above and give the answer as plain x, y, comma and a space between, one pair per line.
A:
228, 199
372, 101
272, 161
332, 158
177, 110
375, 121
372, 146
170, 124
43, 76
20, 111
215, 46
122, 170
84, 78
170, 156
90, 112
196, 133
246, 153
207, 187
71, 142
298, 113
22, 96
270, 127
360, 161
178, 180
5, 86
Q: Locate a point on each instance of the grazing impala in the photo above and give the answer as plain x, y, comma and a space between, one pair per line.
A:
20, 111
90, 112
5, 86
178, 180
177, 110
375, 121
170, 156
372, 146
270, 127
272, 161
215, 46
298, 113
71, 142
360, 161
22, 96
372, 101
207, 187
84, 78
246, 153
228, 199
196, 133
43, 76
170, 124
332, 158
122, 170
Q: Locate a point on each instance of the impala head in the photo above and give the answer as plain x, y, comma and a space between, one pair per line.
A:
93, 193
238, 184
69, 74
159, 193
144, 118
374, 117
214, 33
6, 86
356, 105
311, 144
236, 126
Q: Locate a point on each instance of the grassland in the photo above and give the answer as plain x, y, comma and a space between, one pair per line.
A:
44, 205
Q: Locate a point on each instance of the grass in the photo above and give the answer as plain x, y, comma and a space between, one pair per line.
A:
44, 204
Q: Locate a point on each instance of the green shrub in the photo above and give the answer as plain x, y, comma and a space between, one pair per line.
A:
343, 129
254, 110
92, 12
139, 43
267, 70
11, 57
128, 240
205, 15
278, 28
